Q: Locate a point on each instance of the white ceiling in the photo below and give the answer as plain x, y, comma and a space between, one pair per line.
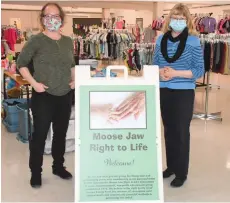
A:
109, 2
118, 4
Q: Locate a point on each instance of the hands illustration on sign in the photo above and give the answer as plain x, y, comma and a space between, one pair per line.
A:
102, 110
134, 105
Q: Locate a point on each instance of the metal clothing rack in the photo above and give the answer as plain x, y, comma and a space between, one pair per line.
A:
205, 116
203, 84
117, 30
217, 115
202, 14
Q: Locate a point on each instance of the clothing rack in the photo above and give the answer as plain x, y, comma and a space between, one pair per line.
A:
206, 116
106, 44
202, 14
137, 55
205, 23
217, 115
130, 24
117, 30
143, 45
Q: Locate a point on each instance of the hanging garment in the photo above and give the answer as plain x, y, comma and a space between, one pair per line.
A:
2, 50
115, 46
10, 36
142, 54
209, 24
214, 58
207, 56
221, 27
226, 72
92, 50
119, 24
108, 38
228, 58
149, 35
138, 34
137, 59
149, 54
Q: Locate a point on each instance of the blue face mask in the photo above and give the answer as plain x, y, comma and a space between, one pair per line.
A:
178, 25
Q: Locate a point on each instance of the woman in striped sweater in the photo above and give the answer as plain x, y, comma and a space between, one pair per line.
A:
179, 55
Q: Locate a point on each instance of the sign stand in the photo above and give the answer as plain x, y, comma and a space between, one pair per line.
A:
118, 143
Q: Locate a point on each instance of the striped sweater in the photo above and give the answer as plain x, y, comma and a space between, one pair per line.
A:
191, 59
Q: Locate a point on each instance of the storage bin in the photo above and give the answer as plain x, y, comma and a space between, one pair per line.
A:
11, 128
70, 138
23, 130
69, 146
12, 111
71, 130
72, 116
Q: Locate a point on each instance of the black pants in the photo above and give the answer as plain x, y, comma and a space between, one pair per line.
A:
49, 109
177, 112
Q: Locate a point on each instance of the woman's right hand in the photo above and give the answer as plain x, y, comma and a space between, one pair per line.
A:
39, 87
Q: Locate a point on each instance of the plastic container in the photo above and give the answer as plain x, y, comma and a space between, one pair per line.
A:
89, 62
23, 130
12, 111
11, 128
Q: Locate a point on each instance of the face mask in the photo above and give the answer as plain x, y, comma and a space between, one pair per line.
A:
178, 25
52, 24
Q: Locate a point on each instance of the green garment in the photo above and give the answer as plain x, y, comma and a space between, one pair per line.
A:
52, 62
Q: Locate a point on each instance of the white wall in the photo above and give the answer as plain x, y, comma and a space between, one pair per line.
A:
217, 11
68, 27
131, 15
30, 19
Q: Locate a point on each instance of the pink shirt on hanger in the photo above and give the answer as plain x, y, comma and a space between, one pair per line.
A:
119, 25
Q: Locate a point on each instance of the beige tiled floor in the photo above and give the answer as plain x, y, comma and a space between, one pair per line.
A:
16, 175
209, 177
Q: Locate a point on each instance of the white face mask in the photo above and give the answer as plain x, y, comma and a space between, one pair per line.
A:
178, 25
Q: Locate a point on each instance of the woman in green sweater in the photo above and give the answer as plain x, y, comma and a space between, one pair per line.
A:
53, 78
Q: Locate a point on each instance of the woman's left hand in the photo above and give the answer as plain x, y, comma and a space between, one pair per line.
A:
170, 72
72, 85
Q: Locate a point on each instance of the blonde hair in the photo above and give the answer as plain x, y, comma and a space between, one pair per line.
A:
180, 9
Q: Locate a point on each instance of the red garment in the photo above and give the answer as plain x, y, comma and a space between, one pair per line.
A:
2, 49
10, 36
119, 25
130, 61
138, 35
221, 29
154, 24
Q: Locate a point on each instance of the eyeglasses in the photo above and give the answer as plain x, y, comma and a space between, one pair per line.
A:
51, 16
178, 18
